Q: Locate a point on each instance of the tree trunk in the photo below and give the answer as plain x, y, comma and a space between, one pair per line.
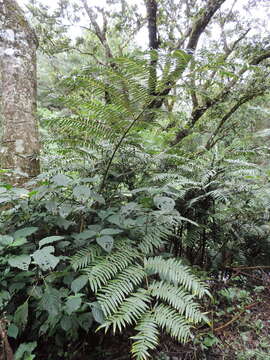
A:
20, 140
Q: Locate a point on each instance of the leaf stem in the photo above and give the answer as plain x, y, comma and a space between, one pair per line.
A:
118, 146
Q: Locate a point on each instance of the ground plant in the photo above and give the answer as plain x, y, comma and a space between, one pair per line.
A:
144, 231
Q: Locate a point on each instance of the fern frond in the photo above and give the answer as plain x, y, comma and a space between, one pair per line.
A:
245, 172
103, 269
111, 295
174, 271
154, 238
147, 337
131, 309
242, 163
178, 299
85, 256
172, 322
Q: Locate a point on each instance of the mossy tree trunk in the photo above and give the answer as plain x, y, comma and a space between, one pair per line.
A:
20, 141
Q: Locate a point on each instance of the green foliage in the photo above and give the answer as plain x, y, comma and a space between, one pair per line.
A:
111, 260
113, 264
24, 351
103, 238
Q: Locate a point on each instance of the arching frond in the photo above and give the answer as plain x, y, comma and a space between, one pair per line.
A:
174, 271
116, 290
147, 337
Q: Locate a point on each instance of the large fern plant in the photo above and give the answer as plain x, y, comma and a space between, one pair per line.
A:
133, 284
133, 289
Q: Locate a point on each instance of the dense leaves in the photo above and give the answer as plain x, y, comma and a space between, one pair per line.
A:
153, 175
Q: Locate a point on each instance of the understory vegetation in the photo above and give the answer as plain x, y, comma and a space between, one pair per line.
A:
130, 244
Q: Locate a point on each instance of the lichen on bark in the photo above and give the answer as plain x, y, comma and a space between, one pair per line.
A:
20, 141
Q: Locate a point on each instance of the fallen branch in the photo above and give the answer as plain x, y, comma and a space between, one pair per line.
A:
236, 317
248, 275
6, 352
234, 268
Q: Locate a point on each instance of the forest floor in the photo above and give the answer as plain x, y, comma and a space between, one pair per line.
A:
240, 314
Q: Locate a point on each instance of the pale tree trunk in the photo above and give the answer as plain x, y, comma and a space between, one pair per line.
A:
20, 141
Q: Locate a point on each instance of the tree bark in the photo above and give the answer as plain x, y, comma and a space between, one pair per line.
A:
20, 140
198, 27
151, 7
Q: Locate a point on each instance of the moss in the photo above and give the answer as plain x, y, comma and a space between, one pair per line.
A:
14, 17
12, 7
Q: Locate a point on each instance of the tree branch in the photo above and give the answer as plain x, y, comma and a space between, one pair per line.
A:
151, 7
227, 53
244, 99
197, 29
259, 58
201, 23
198, 112
101, 34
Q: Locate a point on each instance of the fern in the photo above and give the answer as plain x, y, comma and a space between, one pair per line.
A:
147, 337
128, 313
178, 299
133, 286
153, 238
129, 294
85, 256
172, 322
105, 268
173, 271
116, 290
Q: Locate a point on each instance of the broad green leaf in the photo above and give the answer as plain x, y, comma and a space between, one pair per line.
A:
87, 234
63, 223
21, 315
21, 262
35, 291
81, 192
110, 231
116, 219
44, 258
4, 199
51, 205
97, 312
164, 203
49, 240
51, 301
23, 233
73, 303
24, 351
95, 228
79, 283
16, 286
85, 321
66, 323
62, 244
106, 242
4, 297
13, 331
97, 197
65, 210
61, 180
18, 242
5, 240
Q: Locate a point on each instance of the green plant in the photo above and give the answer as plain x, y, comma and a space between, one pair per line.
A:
120, 276
233, 294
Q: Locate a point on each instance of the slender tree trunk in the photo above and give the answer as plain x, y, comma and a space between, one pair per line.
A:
20, 141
